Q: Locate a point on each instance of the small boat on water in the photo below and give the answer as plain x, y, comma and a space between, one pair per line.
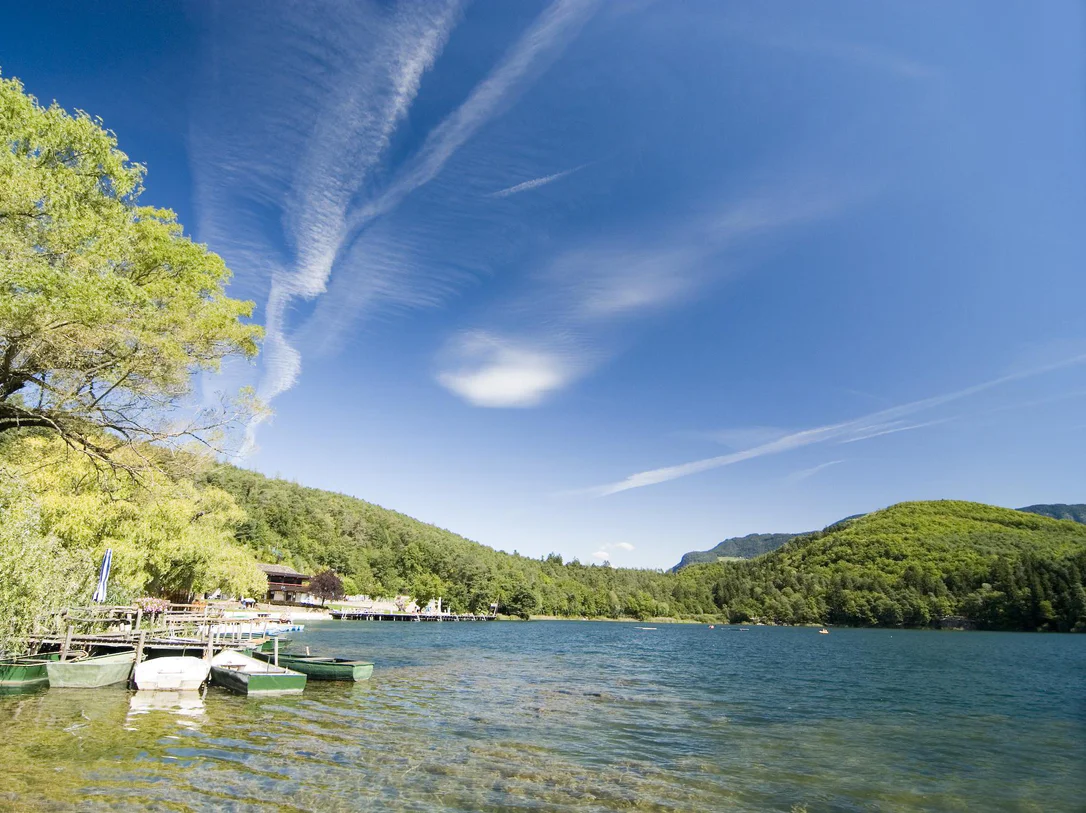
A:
179, 674
321, 668
269, 645
244, 675
823, 631
91, 673
25, 672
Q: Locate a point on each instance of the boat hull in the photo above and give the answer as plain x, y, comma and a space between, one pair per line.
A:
317, 668
178, 674
91, 673
249, 676
23, 673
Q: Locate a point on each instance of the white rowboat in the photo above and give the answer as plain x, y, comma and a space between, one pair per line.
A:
177, 674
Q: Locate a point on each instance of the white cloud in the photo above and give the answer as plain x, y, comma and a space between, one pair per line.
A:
601, 555
534, 183
492, 371
858, 429
626, 546
582, 291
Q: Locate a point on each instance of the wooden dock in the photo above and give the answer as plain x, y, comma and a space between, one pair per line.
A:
180, 629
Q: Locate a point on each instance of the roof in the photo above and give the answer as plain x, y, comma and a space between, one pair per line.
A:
280, 570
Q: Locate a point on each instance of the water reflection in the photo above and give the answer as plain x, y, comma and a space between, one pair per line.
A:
189, 707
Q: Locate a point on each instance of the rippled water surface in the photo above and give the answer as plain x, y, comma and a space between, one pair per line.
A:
586, 716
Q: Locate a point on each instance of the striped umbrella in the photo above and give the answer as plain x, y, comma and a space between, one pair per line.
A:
103, 577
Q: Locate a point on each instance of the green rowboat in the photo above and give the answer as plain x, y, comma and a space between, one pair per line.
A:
24, 672
320, 668
91, 673
244, 675
269, 645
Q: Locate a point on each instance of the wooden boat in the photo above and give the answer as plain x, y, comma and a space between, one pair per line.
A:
91, 673
26, 672
320, 668
171, 674
244, 675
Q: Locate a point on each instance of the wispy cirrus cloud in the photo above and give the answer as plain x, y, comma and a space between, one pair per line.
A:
892, 428
535, 183
351, 73
803, 474
743, 437
867, 55
863, 428
532, 53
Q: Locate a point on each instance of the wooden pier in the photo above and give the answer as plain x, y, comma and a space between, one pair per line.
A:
177, 630
373, 615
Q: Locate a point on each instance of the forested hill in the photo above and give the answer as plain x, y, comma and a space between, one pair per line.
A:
1075, 513
910, 564
915, 562
737, 547
752, 545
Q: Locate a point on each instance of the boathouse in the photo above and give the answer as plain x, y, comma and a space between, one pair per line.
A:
285, 584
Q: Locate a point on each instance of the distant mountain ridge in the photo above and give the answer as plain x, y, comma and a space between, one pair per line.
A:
1075, 513
754, 545
737, 547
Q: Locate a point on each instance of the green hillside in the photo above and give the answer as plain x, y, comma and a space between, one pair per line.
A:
915, 562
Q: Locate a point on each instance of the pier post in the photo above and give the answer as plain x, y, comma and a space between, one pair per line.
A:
275, 650
139, 658
67, 643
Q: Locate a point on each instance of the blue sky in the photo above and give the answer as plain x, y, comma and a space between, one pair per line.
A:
621, 280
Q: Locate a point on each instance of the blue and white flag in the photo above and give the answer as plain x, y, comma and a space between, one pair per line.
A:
103, 577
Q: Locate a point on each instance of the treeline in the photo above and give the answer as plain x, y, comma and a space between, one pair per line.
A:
908, 565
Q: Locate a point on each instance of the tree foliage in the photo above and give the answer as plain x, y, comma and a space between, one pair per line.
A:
326, 585
38, 576
169, 537
106, 308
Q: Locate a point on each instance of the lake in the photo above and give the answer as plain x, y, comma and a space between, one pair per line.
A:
588, 716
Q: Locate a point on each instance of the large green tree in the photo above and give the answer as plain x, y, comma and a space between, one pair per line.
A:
169, 538
106, 307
